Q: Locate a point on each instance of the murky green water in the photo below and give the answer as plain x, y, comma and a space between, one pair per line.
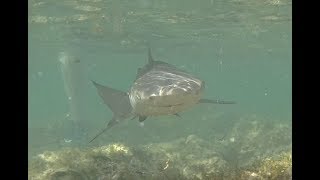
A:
240, 48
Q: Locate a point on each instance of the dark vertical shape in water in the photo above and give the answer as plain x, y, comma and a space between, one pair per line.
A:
117, 17
75, 79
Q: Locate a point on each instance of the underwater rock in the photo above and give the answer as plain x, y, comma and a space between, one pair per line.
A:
253, 149
67, 174
185, 158
253, 138
276, 167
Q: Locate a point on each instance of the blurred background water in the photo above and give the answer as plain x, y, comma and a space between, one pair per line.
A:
240, 48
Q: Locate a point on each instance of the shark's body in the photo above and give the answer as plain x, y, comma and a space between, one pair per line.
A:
162, 89
159, 89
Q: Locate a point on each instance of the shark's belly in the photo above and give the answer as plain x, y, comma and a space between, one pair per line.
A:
163, 105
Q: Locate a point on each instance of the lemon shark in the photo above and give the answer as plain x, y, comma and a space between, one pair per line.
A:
158, 89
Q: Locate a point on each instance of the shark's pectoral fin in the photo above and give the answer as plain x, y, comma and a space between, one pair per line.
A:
118, 101
215, 101
142, 118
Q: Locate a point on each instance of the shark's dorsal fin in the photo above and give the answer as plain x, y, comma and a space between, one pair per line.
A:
150, 58
216, 101
146, 68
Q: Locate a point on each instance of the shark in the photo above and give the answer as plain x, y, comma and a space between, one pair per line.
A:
159, 89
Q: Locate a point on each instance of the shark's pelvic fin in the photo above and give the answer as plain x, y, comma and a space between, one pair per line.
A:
142, 118
134, 117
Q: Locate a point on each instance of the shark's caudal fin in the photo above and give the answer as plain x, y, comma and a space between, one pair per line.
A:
117, 101
215, 101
